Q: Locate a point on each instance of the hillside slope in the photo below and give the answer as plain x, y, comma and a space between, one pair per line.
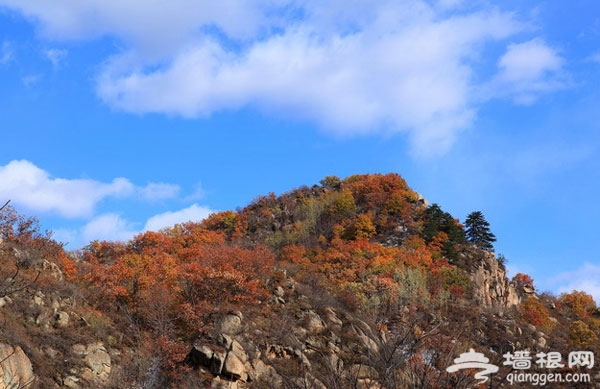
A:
353, 283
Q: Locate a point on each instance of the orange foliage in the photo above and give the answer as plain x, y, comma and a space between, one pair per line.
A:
346, 261
415, 252
436, 248
522, 279
181, 273
580, 303
294, 254
235, 225
534, 312
374, 190
67, 266
103, 251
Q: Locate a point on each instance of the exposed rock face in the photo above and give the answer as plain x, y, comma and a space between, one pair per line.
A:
53, 269
491, 288
313, 322
232, 323
62, 319
97, 360
15, 369
200, 355
234, 368
234, 360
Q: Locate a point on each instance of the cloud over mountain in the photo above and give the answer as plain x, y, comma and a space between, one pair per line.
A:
410, 66
34, 188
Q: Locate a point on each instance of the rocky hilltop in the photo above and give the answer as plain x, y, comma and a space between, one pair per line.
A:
353, 283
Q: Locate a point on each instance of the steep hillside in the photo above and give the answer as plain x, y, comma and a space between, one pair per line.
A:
353, 283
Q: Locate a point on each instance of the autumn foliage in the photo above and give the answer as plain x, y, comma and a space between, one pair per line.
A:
192, 263
368, 242
522, 280
171, 282
580, 303
535, 312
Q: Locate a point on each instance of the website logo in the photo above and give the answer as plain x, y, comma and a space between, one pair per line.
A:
523, 360
473, 360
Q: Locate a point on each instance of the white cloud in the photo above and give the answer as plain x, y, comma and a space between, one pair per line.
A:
449, 4
586, 278
194, 213
196, 194
28, 185
155, 28
31, 80
159, 191
55, 56
406, 74
6, 53
114, 227
529, 69
108, 226
351, 67
595, 57
529, 61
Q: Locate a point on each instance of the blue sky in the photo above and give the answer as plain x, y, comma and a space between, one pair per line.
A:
119, 117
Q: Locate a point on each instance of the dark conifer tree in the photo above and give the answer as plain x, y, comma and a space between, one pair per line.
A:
436, 221
478, 231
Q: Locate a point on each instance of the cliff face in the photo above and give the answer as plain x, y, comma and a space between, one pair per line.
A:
491, 287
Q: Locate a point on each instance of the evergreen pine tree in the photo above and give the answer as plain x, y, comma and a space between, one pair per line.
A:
436, 221
478, 231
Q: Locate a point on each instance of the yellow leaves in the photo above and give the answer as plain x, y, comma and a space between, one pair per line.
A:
340, 204
580, 303
384, 262
581, 335
397, 204
361, 228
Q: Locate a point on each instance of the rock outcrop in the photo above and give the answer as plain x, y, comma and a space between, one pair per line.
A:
235, 359
491, 287
97, 363
15, 368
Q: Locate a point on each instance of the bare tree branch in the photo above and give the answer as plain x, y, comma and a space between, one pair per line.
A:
12, 285
5, 204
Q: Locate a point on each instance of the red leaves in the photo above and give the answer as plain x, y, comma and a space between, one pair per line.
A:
522, 280
415, 253
294, 254
190, 263
533, 311
228, 273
